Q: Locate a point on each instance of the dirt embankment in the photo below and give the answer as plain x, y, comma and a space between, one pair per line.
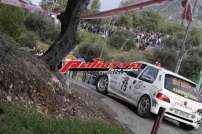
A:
26, 80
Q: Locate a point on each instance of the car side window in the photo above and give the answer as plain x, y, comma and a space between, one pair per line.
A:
149, 74
135, 73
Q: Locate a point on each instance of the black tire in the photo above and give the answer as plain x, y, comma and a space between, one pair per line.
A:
186, 127
144, 107
102, 84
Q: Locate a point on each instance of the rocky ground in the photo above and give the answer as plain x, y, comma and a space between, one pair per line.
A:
26, 80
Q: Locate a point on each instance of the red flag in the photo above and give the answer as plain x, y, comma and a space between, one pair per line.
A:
187, 11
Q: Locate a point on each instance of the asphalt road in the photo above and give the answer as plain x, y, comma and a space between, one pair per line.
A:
126, 115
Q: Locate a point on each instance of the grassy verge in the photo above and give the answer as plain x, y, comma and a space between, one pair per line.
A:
14, 120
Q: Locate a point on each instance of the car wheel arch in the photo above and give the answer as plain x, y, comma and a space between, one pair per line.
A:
143, 95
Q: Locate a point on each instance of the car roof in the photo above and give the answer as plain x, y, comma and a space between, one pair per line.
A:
166, 71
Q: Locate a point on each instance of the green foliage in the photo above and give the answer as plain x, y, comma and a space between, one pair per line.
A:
169, 27
122, 39
11, 20
127, 56
147, 21
58, 5
125, 20
7, 40
175, 41
194, 38
95, 7
192, 64
16, 120
137, 22
44, 26
172, 42
166, 57
130, 44
90, 50
91, 45
27, 39
150, 20
87, 37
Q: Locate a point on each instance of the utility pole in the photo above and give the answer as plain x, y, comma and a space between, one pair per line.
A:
184, 51
199, 85
101, 53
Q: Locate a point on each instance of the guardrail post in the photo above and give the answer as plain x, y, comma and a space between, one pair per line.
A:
158, 121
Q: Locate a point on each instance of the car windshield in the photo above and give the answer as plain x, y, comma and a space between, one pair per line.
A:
182, 87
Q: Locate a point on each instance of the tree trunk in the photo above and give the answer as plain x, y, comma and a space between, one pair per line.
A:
67, 39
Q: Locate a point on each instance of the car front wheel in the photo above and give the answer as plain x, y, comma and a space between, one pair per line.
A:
102, 84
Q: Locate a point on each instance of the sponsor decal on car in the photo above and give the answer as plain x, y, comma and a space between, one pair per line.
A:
97, 65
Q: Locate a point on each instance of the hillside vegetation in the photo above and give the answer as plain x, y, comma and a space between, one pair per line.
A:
15, 119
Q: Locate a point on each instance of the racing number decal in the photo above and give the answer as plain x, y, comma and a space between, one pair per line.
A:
124, 83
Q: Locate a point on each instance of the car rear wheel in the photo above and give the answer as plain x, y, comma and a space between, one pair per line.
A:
144, 106
102, 84
186, 127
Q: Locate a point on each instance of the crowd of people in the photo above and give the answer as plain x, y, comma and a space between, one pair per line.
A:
149, 39
104, 32
143, 39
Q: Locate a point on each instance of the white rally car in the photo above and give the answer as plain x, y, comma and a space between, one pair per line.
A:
150, 88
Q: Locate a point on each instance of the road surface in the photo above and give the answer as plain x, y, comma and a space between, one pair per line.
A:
126, 115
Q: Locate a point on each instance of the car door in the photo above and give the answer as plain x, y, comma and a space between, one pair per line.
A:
144, 83
115, 79
133, 79
119, 82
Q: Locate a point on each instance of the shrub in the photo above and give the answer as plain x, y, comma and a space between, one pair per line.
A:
167, 58
7, 40
150, 20
90, 51
129, 56
87, 37
44, 26
192, 63
170, 27
122, 39
28, 39
11, 20
125, 20
191, 67
130, 44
